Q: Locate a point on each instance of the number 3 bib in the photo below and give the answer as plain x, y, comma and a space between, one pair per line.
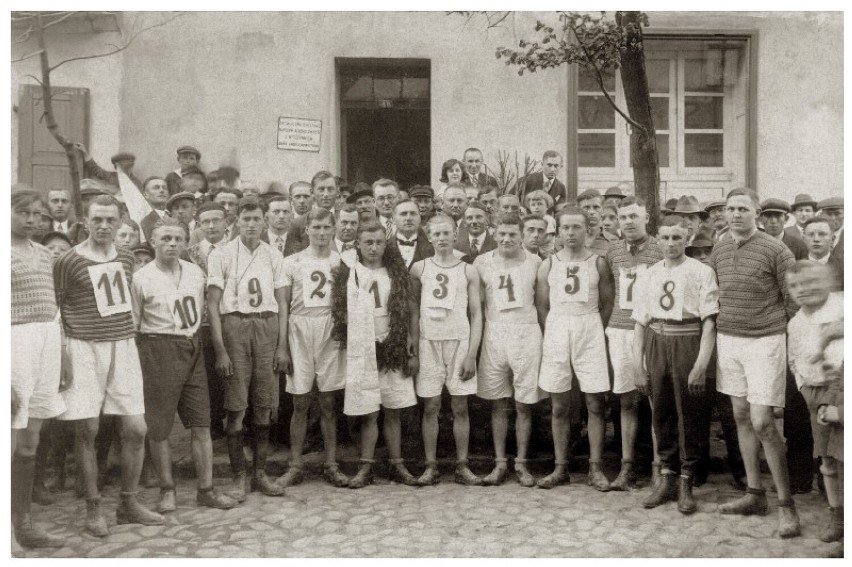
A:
440, 292
112, 294
627, 285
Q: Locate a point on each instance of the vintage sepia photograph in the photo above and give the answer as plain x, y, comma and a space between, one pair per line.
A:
361, 283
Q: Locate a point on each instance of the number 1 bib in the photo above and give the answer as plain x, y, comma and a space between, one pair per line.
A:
112, 294
316, 285
627, 285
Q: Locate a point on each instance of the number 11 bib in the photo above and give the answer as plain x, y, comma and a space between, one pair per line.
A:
112, 294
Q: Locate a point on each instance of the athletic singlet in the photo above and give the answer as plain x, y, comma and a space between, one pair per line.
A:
573, 286
509, 290
443, 302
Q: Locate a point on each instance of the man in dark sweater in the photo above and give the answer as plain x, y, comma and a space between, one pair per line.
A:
752, 352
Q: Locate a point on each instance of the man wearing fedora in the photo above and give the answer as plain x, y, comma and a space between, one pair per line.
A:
803, 208
687, 207
832, 209
613, 196
773, 217
716, 212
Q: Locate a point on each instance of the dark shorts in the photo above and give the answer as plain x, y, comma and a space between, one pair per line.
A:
814, 397
174, 380
250, 341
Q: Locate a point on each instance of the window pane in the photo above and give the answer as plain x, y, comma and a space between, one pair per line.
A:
658, 75
703, 150
660, 110
706, 74
589, 82
595, 112
596, 150
387, 88
662, 150
703, 112
415, 88
360, 89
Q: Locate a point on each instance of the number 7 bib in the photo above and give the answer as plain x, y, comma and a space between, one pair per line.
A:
112, 294
627, 285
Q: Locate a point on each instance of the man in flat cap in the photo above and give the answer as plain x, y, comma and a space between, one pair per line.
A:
188, 157
773, 217
181, 207
832, 209
716, 211
803, 208
92, 170
613, 196
424, 196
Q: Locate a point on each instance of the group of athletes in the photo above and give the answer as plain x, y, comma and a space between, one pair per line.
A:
389, 299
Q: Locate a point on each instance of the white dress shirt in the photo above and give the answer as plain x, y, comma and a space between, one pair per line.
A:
276, 241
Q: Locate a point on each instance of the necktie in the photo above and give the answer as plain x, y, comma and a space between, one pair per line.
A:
474, 249
348, 246
280, 243
633, 248
402, 242
227, 236
388, 228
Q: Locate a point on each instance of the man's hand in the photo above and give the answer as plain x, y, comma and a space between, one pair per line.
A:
224, 366
827, 415
80, 147
16, 403
66, 377
413, 365
283, 362
697, 380
468, 369
640, 378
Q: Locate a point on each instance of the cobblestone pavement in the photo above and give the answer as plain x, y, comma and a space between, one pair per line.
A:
448, 520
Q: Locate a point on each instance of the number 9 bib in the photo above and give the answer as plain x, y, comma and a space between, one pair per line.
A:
112, 294
251, 294
316, 285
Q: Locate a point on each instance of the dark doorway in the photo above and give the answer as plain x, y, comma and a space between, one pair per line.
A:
385, 120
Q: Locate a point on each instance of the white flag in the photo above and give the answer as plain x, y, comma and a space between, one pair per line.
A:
137, 206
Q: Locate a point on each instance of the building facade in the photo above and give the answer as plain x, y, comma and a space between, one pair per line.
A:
738, 98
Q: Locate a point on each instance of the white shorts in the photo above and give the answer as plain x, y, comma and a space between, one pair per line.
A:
441, 363
36, 359
574, 344
107, 378
510, 361
315, 356
621, 357
396, 391
754, 368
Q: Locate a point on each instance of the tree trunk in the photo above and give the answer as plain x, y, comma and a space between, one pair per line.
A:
50, 120
643, 145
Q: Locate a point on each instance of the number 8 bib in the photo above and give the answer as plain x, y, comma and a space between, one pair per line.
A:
668, 297
112, 294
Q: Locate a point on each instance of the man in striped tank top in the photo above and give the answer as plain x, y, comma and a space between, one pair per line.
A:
444, 291
628, 260
675, 332
574, 300
36, 353
751, 343
511, 343
92, 282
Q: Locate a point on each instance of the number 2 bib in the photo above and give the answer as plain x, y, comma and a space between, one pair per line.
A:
627, 285
112, 294
316, 285
573, 281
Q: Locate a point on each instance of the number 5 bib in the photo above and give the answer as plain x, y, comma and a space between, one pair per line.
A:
627, 285
316, 285
112, 294
573, 281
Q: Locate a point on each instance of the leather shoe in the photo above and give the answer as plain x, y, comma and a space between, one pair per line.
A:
554, 479
264, 485
239, 490
430, 476
334, 476
167, 501
293, 476
212, 499
665, 491
597, 479
31, 537
363, 477
463, 475
753, 503
496, 476
626, 478
96, 523
131, 511
685, 501
788, 520
398, 473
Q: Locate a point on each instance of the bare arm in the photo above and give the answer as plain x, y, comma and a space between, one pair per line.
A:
223, 362
697, 376
475, 308
282, 362
542, 292
639, 374
606, 290
414, 303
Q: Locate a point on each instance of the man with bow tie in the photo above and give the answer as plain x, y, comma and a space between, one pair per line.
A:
409, 238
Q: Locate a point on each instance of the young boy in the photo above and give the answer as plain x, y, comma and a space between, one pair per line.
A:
188, 158
819, 317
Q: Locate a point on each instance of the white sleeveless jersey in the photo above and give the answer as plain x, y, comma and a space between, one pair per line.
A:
443, 302
573, 286
509, 290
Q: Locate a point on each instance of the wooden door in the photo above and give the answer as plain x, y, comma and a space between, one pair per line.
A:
41, 160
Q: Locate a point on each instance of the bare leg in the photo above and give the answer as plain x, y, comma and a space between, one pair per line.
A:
461, 426
328, 425
299, 427
431, 409
392, 430
133, 431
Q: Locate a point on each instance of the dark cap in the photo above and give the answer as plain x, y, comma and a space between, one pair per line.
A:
91, 189
774, 206
421, 191
701, 241
250, 201
177, 197
123, 156
803, 200
830, 203
714, 205
209, 206
361, 190
670, 205
614, 192
146, 248
189, 150
54, 234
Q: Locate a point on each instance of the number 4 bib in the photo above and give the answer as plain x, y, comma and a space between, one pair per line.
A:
627, 285
112, 294
505, 295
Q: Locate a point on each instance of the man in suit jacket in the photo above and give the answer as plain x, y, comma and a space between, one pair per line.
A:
408, 237
156, 192
279, 214
773, 216
473, 238
803, 208
551, 163
473, 174
832, 209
